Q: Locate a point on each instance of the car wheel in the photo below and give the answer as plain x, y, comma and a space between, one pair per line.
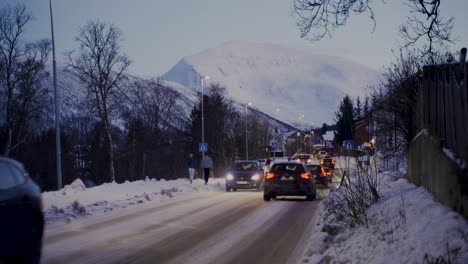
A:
266, 197
228, 189
311, 197
33, 255
234, 189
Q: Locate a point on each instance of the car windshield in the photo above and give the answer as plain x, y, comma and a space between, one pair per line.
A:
244, 166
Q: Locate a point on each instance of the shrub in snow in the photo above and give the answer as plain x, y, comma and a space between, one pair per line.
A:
348, 203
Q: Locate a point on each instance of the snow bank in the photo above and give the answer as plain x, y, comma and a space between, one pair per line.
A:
75, 200
408, 226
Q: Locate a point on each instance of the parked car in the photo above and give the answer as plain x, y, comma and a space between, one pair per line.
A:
289, 179
21, 217
262, 162
328, 162
306, 158
321, 174
245, 174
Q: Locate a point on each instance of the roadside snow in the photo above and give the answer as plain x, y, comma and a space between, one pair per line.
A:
408, 225
75, 200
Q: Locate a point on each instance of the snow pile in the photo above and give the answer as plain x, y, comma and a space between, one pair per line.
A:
75, 200
277, 76
407, 226
76, 186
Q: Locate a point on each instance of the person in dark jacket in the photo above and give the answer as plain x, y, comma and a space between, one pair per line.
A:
206, 164
192, 165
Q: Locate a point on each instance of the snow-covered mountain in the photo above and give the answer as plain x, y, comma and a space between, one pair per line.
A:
273, 77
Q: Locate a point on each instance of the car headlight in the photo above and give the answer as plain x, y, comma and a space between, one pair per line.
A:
229, 177
309, 160
298, 160
255, 177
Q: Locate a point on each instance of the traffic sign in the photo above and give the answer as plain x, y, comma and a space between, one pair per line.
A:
202, 147
274, 144
348, 144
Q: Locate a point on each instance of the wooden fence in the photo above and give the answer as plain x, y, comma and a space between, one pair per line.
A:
443, 106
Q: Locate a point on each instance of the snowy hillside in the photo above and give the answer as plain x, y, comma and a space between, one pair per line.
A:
274, 76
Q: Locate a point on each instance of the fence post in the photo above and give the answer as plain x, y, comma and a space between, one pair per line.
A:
462, 87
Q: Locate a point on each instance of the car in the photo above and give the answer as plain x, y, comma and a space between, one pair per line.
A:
262, 162
328, 163
289, 179
245, 174
321, 154
321, 174
306, 158
22, 220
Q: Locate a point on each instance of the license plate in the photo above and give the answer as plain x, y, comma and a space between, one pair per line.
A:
242, 182
287, 178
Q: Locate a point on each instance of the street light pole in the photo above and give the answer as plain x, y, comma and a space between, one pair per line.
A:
274, 150
202, 114
57, 114
246, 137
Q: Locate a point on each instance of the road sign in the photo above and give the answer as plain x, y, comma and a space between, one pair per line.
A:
348, 144
274, 144
202, 147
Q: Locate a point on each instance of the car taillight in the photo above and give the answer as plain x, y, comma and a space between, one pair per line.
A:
269, 176
305, 175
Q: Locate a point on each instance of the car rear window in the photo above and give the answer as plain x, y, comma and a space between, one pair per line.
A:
10, 176
314, 168
291, 168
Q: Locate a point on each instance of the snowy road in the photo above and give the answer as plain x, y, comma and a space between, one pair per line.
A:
217, 227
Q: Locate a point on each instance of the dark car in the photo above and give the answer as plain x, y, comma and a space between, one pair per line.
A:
289, 179
245, 175
328, 162
321, 174
21, 217
306, 158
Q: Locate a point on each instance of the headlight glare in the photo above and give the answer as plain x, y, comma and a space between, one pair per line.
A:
256, 177
229, 177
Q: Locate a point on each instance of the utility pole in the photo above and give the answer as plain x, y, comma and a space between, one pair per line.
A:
57, 108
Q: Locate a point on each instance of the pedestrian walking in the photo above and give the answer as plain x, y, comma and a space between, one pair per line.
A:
206, 164
192, 165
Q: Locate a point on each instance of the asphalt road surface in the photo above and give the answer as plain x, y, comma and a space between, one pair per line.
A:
219, 227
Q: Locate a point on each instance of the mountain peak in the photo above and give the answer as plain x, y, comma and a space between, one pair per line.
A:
273, 76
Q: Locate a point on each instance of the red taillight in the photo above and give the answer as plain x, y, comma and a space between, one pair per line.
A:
305, 175
325, 172
269, 175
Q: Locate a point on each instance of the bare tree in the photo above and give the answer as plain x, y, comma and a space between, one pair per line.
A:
156, 105
318, 18
101, 67
22, 72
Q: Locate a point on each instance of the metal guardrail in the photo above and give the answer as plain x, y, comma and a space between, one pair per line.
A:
443, 105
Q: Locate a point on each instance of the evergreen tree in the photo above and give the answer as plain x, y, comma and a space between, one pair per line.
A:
345, 119
366, 109
358, 109
324, 128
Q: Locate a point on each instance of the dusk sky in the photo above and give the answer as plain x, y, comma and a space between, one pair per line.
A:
158, 33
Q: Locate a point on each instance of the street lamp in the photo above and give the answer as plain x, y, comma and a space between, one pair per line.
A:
57, 115
246, 137
276, 132
203, 78
298, 137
